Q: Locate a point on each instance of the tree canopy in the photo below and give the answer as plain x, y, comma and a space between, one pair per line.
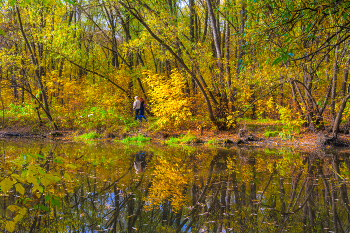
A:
225, 59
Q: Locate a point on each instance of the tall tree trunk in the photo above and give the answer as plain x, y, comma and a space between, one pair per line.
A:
216, 36
37, 70
241, 39
334, 82
338, 117
228, 68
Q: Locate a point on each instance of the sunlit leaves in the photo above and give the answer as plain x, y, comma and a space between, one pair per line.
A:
10, 226
19, 214
169, 102
169, 181
6, 184
19, 189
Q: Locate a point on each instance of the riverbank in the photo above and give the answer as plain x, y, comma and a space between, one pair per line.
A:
253, 134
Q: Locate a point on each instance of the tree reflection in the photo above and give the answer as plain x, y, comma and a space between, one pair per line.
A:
196, 190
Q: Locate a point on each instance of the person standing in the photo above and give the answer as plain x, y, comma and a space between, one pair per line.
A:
137, 106
142, 109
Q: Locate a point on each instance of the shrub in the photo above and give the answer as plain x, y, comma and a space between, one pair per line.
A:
169, 103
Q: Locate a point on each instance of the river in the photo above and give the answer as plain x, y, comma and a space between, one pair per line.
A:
111, 187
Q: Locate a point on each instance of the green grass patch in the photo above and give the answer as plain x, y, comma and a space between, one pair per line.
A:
213, 141
269, 133
88, 136
260, 121
183, 139
286, 134
138, 139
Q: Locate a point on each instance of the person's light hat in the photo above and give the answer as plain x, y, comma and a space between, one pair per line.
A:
136, 97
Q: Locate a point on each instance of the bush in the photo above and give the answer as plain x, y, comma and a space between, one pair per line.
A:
169, 103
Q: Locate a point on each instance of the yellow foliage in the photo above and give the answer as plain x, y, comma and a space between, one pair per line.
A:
10, 226
169, 102
231, 119
168, 183
270, 105
289, 118
6, 184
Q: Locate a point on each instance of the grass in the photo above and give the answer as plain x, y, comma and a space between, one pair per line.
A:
286, 134
261, 121
269, 133
213, 141
88, 136
283, 133
183, 139
137, 139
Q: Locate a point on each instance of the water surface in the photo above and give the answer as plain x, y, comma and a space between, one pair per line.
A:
97, 187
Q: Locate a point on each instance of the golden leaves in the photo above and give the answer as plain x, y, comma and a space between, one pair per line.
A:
10, 226
6, 184
19, 189
168, 183
169, 102
20, 213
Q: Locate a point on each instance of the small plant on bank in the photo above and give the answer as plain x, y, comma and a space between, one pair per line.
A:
183, 139
269, 133
286, 134
213, 141
138, 139
88, 136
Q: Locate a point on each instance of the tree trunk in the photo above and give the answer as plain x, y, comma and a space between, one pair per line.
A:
221, 110
334, 82
37, 71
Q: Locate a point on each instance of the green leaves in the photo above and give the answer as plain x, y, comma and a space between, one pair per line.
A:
308, 27
54, 200
58, 160
285, 55
2, 32
276, 61
35, 156
71, 2
42, 207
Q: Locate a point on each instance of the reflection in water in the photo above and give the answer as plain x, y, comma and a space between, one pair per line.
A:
140, 161
182, 190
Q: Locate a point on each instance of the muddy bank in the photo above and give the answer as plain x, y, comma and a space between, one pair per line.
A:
241, 137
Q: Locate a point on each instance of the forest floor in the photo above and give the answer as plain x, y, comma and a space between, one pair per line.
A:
261, 134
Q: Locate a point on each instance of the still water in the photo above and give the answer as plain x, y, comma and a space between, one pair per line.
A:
100, 187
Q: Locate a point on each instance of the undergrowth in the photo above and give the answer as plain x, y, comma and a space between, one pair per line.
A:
87, 136
269, 133
137, 139
183, 139
213, 141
